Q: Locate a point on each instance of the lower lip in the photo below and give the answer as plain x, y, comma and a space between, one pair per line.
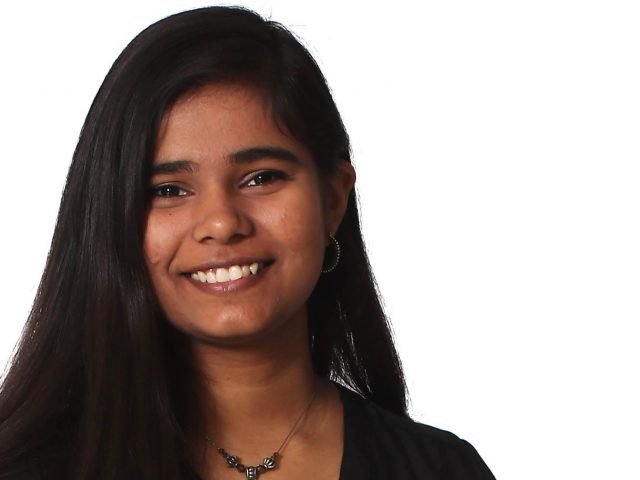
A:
238, 285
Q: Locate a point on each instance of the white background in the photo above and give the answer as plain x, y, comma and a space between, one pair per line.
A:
498, 157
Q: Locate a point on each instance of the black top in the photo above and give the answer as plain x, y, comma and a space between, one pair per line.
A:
381, 445
378, 445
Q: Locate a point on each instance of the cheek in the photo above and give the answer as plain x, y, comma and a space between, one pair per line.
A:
301, 227
153, 246
159, 239
153, 252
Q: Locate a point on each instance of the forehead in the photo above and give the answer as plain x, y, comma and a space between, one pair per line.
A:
216, 119
225, 98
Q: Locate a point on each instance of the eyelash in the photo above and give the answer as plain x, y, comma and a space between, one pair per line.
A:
155, 191
272, 176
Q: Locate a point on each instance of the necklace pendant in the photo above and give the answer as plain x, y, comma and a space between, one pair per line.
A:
269, 463
252, 473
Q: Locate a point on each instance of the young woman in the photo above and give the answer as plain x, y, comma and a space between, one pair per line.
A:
207, 309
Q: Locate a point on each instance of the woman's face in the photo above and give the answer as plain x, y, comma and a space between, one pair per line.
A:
238, 221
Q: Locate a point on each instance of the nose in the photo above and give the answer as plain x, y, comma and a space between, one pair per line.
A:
221, 220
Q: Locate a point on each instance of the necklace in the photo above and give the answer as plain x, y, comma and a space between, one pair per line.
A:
269, 463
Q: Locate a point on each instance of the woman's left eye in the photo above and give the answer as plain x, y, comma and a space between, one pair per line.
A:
168, 190
266, 177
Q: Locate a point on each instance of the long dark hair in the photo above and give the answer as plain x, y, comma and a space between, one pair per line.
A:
94, 389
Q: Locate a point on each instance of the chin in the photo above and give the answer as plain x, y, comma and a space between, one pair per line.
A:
234, 329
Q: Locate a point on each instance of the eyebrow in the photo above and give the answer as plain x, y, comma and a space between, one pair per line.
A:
247, 155
257, 153
174, 166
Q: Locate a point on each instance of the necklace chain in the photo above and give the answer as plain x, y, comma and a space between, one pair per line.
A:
268, 463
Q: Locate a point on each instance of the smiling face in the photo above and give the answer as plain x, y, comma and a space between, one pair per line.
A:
238, 221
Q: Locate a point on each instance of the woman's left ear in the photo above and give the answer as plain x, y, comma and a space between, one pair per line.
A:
339, 186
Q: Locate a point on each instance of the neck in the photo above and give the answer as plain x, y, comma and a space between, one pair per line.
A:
253, 393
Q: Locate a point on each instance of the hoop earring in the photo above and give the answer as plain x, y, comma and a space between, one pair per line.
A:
336, 259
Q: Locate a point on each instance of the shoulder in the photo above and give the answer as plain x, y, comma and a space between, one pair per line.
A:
21, 471
33, 466
387, 445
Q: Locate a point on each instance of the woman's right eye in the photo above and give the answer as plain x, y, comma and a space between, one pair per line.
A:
168, 190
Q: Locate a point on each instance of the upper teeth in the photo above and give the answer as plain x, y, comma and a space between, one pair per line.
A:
226, 274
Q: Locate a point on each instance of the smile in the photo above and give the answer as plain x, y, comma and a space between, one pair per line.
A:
223, 275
